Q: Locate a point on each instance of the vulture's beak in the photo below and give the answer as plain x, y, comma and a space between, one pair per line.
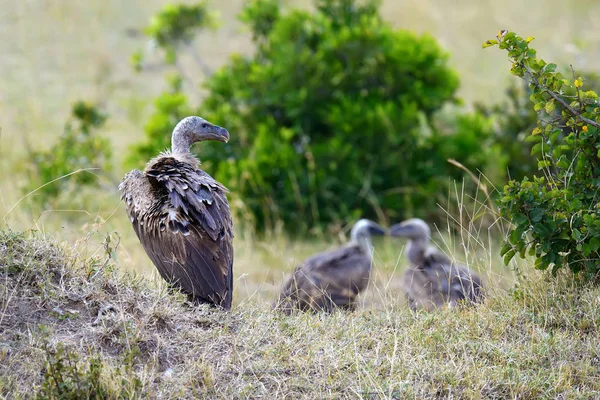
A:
222, 134
375, 229
400, 230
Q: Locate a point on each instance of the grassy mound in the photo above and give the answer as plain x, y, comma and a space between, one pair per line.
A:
71, 327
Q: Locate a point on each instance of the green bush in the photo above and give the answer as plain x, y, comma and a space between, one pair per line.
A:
65, 379
67, 376
556, 216
74, 161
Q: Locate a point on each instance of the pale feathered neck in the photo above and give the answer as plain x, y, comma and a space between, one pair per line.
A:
361, 235
182, 137
417, 248
365, 245
363, 240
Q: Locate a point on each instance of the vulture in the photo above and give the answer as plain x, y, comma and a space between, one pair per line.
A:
332, 279
182, 218
433, 280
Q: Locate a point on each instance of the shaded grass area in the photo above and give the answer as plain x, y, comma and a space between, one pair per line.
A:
69, 318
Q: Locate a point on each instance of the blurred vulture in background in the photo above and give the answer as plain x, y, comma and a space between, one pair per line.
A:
181, 216
433, 280
334, 278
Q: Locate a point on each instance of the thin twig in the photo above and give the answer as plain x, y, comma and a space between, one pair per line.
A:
475, 179
561, 101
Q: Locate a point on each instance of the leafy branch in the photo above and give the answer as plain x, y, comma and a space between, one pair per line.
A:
556, 97
556, 218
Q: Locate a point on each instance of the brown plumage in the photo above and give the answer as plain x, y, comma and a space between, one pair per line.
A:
334, 278
182, 218
433, 280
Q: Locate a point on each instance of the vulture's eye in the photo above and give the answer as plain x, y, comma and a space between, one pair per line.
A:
204, 126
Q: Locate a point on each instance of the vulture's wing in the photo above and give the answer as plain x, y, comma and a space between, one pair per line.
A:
466, 283
328, 278
341, 268
185, 227
436, 266
426, 285
455, 282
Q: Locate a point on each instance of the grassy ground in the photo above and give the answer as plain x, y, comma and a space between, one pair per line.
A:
66, 318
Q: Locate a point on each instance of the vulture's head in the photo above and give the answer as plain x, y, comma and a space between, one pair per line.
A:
195, 129
414, 228
366, 228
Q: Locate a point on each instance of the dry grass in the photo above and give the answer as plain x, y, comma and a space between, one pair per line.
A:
542, 341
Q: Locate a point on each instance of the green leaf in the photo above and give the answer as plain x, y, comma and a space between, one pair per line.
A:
541, 230
562, 163
522, 252
563, 236
589, 95
520, 219
544, 164
540, 264
534, 138
594, 244
549, 107
505, 248
586, 249
489, 43
509, 256
515, 236
536, 214
554, 135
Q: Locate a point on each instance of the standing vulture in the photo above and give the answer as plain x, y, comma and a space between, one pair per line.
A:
334, 278
181, 216
433, 280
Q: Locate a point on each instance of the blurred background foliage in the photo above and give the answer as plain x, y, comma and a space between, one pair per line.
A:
81, 159
337, 115
173, 30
